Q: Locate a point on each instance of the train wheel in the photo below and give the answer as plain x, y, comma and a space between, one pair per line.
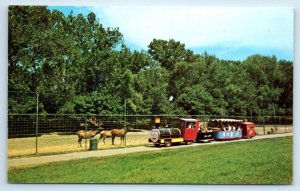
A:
167, 143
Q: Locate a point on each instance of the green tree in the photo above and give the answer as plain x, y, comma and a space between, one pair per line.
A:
78, 66
168, 53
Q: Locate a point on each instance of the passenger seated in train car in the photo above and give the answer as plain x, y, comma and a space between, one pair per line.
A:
202, 129
191, 125
229, 128
224, 127
221, 126
234, 126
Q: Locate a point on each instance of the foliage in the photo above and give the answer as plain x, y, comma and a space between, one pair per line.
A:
75, 65
268, 161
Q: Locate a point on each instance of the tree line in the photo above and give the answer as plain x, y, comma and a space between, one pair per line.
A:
76, 65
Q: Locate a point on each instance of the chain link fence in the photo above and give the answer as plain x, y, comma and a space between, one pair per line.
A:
49, 134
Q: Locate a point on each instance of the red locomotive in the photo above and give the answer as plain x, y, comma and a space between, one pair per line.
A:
189, 131
185, 130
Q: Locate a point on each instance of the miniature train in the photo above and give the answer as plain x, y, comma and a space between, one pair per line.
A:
189, 131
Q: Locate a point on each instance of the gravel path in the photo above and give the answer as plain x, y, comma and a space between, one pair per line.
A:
40, 160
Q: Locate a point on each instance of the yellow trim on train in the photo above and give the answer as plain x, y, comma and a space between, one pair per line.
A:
174, 140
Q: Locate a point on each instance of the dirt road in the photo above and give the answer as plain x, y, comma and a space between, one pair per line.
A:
40, 160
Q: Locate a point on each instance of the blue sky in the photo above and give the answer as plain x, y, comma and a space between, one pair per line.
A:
227, 33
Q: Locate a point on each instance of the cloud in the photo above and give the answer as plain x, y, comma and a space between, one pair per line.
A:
200, 27
197, 26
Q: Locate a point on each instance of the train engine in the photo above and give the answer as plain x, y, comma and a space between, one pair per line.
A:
185, 130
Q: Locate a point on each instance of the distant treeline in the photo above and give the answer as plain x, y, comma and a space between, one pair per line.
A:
75, 65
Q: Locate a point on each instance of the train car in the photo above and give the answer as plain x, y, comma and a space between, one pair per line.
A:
248, 129
185, 130
205, 136
230, 129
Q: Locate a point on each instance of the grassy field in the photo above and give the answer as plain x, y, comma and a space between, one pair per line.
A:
268, 161
55, 143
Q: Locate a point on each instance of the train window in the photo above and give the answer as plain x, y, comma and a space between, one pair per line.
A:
191, 125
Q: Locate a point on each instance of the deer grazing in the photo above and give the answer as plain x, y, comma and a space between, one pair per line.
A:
119, 133
89, 134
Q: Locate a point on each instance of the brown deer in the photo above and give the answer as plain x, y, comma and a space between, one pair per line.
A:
89, 134
119, 133
105, 134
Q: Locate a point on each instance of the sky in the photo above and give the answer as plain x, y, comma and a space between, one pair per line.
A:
227, 33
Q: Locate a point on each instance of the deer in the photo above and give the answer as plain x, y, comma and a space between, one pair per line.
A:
119, 133
89, 134
105, 134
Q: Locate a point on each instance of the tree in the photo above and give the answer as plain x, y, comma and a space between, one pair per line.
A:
152, 84
57, 56
76, 65
168, 53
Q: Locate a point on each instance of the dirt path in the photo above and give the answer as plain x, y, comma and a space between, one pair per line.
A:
40, 160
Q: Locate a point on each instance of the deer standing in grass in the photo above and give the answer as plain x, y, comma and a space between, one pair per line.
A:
119, 133
105, 134
89, 134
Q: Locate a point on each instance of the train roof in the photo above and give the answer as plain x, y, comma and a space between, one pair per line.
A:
188, 120
248, 123
227, 120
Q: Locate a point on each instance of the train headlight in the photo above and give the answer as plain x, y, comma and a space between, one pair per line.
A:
154, 135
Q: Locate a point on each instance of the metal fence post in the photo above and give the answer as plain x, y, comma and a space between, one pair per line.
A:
285, 124
85, 128
264, 125
37, 123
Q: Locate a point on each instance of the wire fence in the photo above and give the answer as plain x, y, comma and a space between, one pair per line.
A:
30, 134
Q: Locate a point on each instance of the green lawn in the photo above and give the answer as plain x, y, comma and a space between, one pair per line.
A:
268, 161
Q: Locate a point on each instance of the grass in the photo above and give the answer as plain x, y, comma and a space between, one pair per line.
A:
55, 143
266, 161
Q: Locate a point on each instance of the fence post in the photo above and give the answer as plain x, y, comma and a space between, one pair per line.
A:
285, 124
37, 123
85, 140
125, 112
36, 133
275, 125
205, 122
264, 124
